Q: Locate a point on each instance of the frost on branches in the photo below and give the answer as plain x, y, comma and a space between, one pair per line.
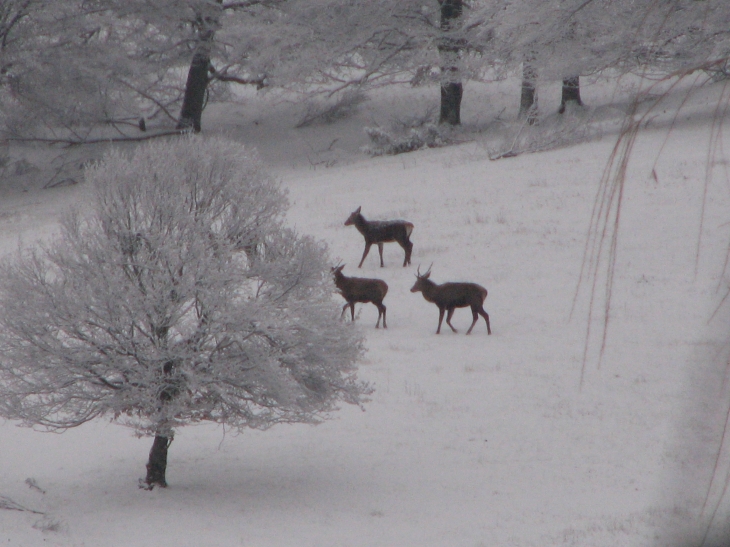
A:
180, 297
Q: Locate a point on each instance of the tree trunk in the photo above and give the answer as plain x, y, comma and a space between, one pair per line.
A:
195, 88
452, 89
451, 93
528, 99
157, 464
205, 25
571, 93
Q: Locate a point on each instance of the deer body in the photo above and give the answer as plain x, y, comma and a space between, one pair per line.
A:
382, 231
360, 289
449, 296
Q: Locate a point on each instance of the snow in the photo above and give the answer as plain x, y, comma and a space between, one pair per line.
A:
467, 441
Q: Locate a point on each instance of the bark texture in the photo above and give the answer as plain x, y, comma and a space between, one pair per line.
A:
452, 89
528, 98
157, 464
196, 87
571, 93
451, 94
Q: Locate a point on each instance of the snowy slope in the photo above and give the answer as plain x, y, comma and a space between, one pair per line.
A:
468, 441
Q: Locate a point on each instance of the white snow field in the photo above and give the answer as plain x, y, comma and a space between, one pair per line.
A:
468, 441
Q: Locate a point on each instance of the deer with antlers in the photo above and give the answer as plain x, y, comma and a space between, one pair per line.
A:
382, 231
360, 289
449, 296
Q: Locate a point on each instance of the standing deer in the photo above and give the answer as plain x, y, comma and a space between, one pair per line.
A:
360, 289
382, 231
449, 296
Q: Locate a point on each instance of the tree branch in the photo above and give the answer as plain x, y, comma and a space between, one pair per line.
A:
79, 142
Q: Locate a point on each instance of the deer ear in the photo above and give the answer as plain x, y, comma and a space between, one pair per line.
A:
426, 275
357, 211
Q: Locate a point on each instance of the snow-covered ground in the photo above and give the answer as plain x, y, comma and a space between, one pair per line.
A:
467, 441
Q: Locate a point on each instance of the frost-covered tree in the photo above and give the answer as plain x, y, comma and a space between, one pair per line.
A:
79, 64
176, 297
332, 45
358, 44
64, 67
549, 39
563, 39
28, 38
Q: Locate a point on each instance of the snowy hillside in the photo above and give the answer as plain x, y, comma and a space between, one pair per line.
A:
467, 441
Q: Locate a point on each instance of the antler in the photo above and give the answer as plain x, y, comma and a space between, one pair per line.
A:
418, 270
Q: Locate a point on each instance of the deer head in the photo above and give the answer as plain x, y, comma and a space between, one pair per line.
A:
421, 279
351, 219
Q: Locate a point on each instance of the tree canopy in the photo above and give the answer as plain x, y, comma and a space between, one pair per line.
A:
76, 64
179, 297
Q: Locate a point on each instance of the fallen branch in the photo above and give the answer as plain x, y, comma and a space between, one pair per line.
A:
260, 83
79, 142
509, 154
10, 505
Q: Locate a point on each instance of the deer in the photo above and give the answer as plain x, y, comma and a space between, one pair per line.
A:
382, 231
449, 296
360, 289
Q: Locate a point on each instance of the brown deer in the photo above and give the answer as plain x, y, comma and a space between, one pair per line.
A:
360, 289
382, 231
449, 296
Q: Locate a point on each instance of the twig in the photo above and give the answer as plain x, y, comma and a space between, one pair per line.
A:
10, 505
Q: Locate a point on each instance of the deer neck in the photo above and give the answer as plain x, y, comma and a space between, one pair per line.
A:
361, 224
429, 290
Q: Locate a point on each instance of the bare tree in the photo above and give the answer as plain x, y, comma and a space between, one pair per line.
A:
180, 298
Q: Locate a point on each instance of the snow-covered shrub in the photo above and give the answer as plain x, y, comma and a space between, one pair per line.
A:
345, 105
388, 143
578, 124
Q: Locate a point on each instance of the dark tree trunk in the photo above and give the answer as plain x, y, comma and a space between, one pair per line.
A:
205, 25
195, 89
528, 98
451, 94
571, 93
157, 464
452, 89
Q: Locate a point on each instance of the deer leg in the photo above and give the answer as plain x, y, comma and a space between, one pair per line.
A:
475, 317
448, 319
485, 315
344, 310
380, 250
408, 248
441, 318
352, 311
365, 253
381, 312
